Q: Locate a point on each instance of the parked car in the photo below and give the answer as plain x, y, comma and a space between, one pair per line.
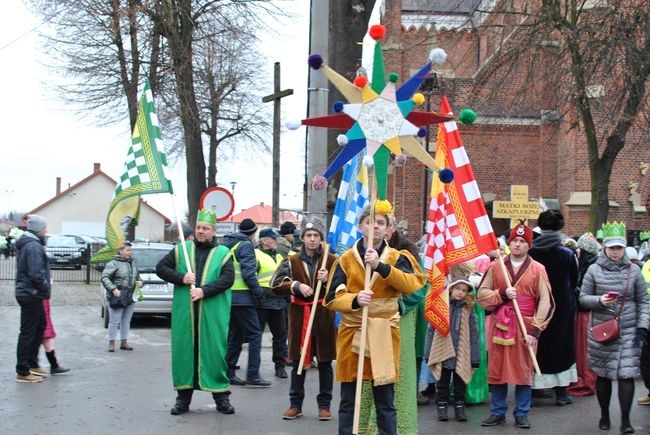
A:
66, 251
157, 294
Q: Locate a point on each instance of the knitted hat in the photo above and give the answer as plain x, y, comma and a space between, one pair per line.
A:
287, 227
313, 223
587, 242
268, 232
247, 226
36, 223
522, 231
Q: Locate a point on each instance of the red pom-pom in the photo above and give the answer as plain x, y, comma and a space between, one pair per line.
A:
360, 81
377, 31
319, 182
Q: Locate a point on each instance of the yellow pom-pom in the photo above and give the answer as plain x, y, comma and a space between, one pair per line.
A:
418, 99
383, 206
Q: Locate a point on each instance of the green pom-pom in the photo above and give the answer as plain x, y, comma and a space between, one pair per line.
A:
467, 116
393, 77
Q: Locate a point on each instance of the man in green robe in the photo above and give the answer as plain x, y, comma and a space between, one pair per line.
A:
202, 273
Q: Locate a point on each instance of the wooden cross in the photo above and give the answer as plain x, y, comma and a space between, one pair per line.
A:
518, 208
275, 97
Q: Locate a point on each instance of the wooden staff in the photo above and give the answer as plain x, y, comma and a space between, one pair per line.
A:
312, 314
520, 319
364, 311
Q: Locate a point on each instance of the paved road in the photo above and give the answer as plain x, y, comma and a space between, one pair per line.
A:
131, 393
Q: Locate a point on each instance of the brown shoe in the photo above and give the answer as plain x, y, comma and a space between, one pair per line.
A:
124, 345
324, 414
292, 413
28, 378
39, 372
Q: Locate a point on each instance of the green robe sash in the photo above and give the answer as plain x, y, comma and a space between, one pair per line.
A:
212, 335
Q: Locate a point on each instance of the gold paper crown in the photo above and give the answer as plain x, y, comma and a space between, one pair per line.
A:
207, 217
644, 235
614, 229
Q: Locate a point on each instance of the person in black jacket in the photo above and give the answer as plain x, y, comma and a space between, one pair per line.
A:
246, 296
32, 288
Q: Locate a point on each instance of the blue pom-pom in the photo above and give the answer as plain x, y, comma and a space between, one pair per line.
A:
315, 61
337, 106
422, 132
446, 175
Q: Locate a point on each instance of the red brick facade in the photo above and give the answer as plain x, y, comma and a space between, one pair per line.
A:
518, 139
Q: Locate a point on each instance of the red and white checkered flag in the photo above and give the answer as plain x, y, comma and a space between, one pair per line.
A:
458, 227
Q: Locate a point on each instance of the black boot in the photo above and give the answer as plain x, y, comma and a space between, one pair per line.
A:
223, 403
459, 409
280, 372
442, 411
183, 400
55, 368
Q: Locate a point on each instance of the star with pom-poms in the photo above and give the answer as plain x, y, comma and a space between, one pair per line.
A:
379, 116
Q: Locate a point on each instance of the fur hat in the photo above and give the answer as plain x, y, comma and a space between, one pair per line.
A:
36, 223
312, 223
551, 220
287, 227
587, 242
247, 226
522, 231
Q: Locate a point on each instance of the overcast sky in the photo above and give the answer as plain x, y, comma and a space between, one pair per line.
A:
42, 140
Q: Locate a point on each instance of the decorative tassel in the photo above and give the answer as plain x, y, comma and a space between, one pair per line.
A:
319, 182
467, 116
383, 206
393, 77
418, 99
342, 140
400, 160
337, 106
438, 56
368, 162
315, 61
377, 31
446, 175
293, 124
360, 81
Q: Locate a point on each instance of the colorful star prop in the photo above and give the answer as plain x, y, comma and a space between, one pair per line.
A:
379, 116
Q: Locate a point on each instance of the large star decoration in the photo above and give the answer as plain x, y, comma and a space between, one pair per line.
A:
378, 116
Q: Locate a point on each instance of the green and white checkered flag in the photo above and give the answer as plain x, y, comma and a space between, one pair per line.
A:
144, 172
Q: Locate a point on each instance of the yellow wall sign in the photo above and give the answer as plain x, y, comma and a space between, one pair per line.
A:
519, 207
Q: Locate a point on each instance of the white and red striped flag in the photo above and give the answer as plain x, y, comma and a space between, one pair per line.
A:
458, 227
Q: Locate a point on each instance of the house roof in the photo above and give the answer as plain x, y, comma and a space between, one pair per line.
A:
96, 173
262, 214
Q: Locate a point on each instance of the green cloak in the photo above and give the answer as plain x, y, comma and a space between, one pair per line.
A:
212, 334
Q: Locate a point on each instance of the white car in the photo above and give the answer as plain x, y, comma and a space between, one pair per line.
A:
157, 294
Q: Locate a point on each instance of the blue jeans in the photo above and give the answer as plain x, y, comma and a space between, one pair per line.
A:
498, 405
120, 318
384, 398
244, 327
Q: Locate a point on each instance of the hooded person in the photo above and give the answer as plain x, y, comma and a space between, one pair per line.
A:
202, 273
555, 354
509, 361
456, 355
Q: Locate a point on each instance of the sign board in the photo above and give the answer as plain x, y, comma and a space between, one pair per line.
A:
219, 200
224, 228
518, 208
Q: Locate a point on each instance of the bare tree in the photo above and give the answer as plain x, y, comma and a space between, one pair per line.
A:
559, 55
103, 49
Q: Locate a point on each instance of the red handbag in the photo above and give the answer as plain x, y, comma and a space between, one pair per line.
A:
610, 330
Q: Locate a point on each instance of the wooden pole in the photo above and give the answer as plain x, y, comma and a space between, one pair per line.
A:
364, 312
312, 314
520, 319
181, 234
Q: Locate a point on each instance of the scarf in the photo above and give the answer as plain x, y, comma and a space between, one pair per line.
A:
505, 317
547, 240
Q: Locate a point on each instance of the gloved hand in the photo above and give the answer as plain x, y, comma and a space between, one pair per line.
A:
641, 336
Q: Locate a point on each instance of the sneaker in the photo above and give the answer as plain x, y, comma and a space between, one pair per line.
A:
59, 370
494, 420
324, 414
257, 383
39, 372
292, 413
645, 400
30, 378
521, 421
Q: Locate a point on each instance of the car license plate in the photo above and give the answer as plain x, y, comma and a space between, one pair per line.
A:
155, 288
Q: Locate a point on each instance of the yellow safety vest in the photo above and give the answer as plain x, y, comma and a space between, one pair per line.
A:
267, 266
239, 283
